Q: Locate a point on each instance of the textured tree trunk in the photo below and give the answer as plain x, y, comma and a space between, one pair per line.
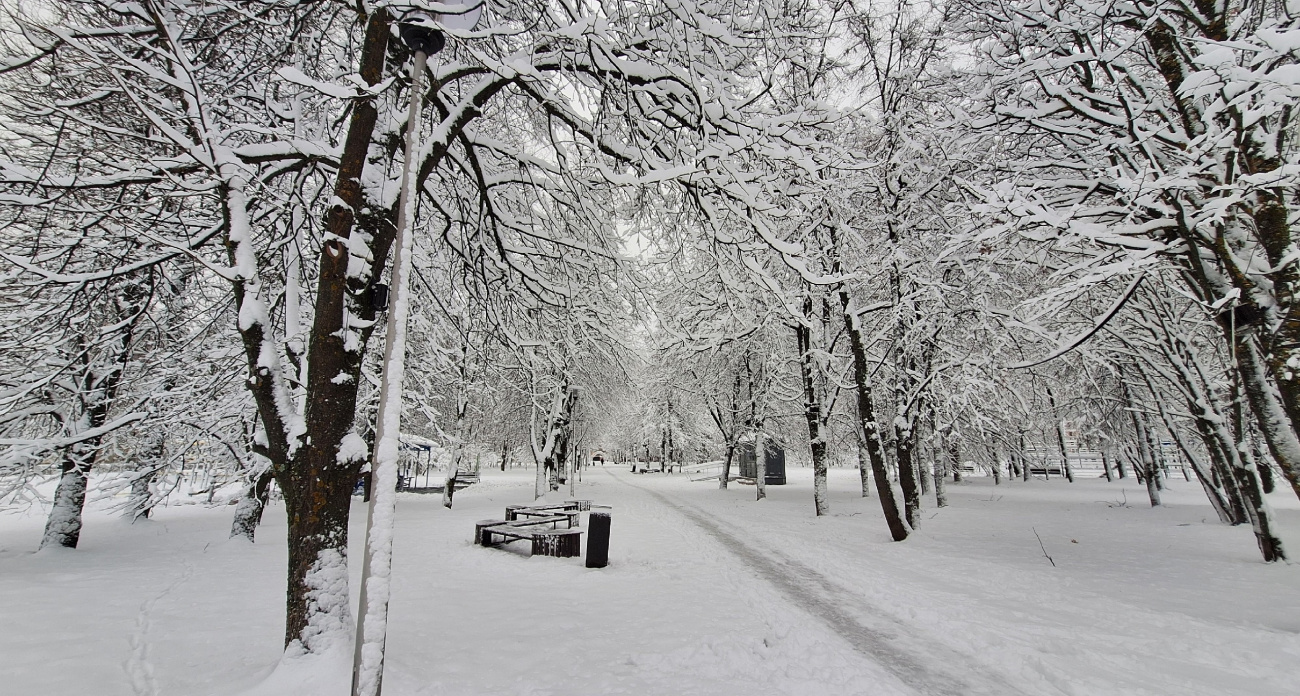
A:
306, 455
869, 428
539, 483
940, 493
63, 527
904, 452
1147, 459
458, 448
1248, 484
812, 414
98, 384
760, 463
864, 467
924, 470
1261, 465
726, 465
1261, 514
248, 512
1024, 461
140, 507
1060, 437
1275, 424
317, 615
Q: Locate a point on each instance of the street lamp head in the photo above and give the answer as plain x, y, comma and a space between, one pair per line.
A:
420, 33
420, 30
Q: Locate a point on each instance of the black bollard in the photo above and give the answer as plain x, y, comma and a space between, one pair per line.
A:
598, 540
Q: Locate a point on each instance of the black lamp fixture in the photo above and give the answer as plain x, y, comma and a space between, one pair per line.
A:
420, 30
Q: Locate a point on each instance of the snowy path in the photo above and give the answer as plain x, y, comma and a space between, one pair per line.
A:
707, 592
1145, 601
928, 668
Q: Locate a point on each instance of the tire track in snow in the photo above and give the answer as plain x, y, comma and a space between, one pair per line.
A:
883, 638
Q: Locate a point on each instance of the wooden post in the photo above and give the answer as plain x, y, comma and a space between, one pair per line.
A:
598, 540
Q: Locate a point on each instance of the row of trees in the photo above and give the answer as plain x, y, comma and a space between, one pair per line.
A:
871, 226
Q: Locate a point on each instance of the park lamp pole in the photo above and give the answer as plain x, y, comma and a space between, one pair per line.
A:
420, 33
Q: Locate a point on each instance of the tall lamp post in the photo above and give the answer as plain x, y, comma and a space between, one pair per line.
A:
419, 31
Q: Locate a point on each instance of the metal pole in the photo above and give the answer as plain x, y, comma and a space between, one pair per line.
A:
372, 612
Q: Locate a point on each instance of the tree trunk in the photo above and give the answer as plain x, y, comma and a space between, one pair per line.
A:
317, 615
306, 454
1060, 437
539, 483
925, 481
1261, 514
869, 428
760, 463
726, 465
904, 452
1275, 424
863, 468
812, 413
248, 512
1024, 461
1147, 459
1261, 464
940, 493
573, 470
63, 527
458, 448
139, 502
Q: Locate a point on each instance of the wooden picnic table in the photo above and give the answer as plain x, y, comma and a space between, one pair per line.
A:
523, 522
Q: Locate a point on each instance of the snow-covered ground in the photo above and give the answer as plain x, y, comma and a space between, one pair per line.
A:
707, 592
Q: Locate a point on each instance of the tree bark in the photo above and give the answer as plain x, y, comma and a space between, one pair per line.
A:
726, 466
1146, 458
317, 486
905, 452
317, 613
63, 527
1060, 437
98, 382
248, 512
869, 428
940, 493
812, 412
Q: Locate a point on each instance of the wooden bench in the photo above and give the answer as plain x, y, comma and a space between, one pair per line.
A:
465, 478
514, 512
560, 543
479, 526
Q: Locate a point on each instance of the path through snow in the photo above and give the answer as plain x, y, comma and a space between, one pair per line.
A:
707, 592
927, 667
